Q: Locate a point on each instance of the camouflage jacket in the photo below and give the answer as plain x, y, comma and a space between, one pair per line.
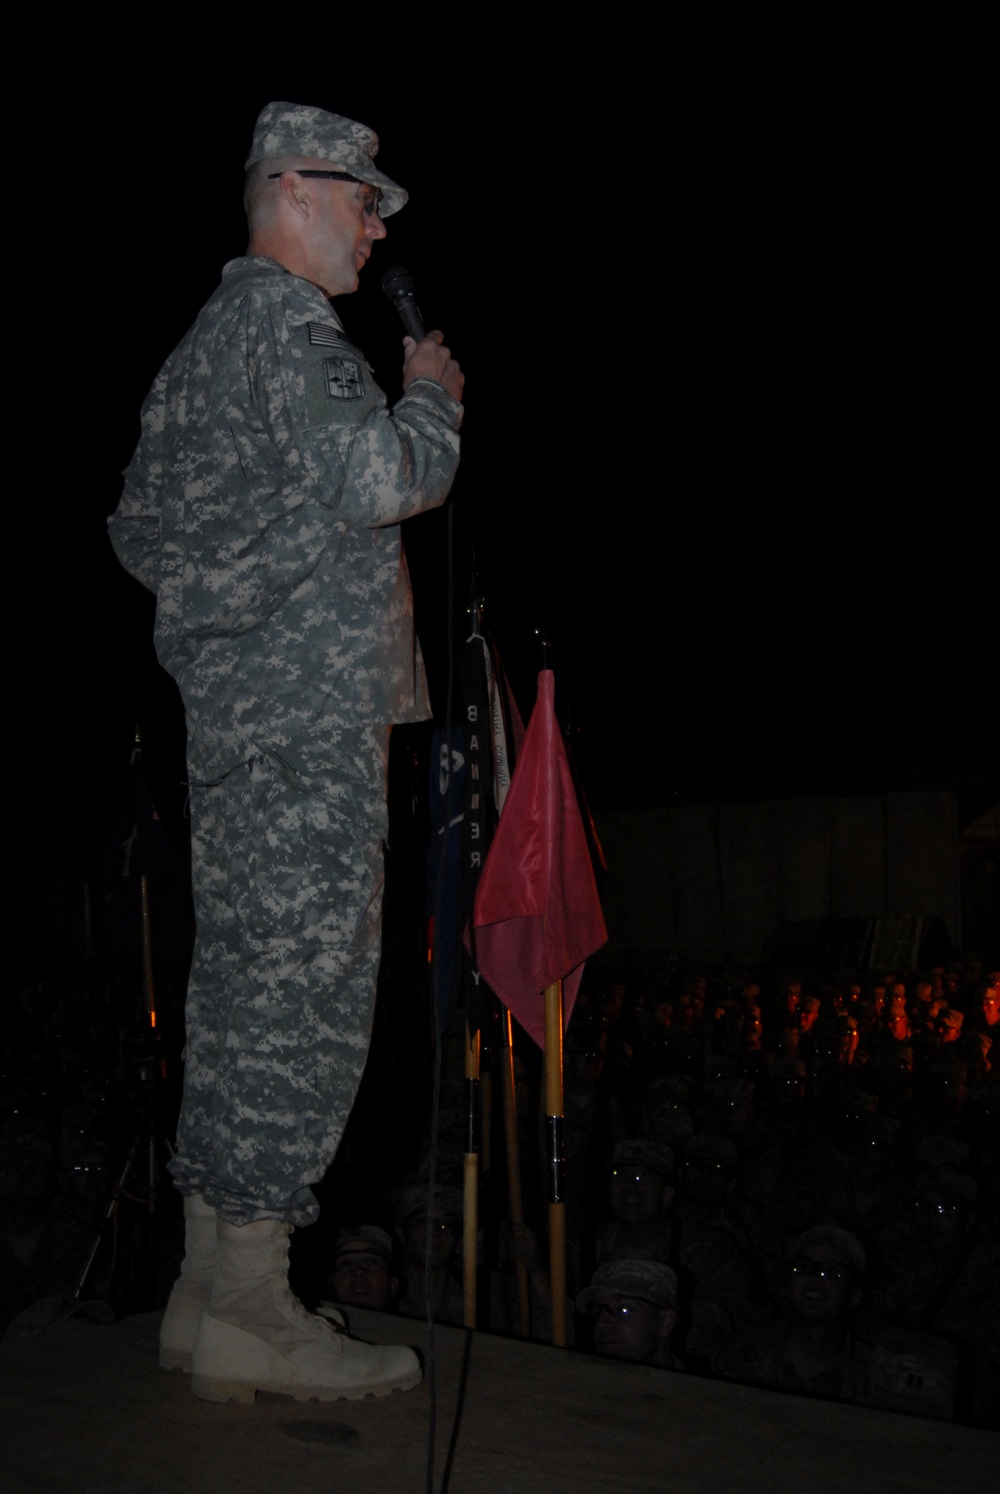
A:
262, 508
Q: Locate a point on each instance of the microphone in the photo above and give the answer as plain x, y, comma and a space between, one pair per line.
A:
397, 284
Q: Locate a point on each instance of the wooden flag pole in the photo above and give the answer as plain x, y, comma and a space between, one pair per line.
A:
514, 1191
470, 1212
485, 1123
554, 1115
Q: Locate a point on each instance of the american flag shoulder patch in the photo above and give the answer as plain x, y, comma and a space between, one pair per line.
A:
322, 335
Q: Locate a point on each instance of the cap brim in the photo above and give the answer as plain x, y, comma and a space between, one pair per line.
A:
393, 195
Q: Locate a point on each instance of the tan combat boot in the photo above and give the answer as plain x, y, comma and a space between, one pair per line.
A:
189, 1297
255, 1335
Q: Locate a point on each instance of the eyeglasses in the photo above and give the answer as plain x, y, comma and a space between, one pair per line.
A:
624, 1308
833, 1270
924, 1206
369, 204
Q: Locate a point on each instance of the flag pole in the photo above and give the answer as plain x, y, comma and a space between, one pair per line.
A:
537, 918
146, 926
88, 928
514, 1190
431, 1023
554, 1114
470, 1213
149, 999
485, 1123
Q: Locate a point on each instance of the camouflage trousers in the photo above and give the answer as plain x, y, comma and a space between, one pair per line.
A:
287, 873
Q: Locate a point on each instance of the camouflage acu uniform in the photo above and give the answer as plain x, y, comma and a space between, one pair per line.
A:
767, 1358
262, 506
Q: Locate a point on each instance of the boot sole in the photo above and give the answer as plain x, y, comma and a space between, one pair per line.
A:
208, 1388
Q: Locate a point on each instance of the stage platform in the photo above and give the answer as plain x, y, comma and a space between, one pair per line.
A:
86, 1409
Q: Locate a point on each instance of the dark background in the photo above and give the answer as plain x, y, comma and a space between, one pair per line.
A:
719, 298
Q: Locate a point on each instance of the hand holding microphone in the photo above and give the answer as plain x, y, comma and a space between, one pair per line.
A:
426, 356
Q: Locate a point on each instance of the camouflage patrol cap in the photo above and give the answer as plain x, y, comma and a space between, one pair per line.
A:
672, 1125
643, 1152
943, 1151
413, 1200
956, 1187
361, 1239
706, 1146
788, 1068
649, 1280
878, 1130
841, 1245
302, 130
667, 1089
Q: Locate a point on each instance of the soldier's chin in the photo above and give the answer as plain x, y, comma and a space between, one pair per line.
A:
611, 1346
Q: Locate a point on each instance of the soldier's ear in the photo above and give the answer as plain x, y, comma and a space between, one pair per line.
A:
668, 1322
295, 191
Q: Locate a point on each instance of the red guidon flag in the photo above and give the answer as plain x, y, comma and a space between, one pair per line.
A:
537, 916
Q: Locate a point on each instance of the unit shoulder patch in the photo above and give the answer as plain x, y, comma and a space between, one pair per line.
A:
343, 368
